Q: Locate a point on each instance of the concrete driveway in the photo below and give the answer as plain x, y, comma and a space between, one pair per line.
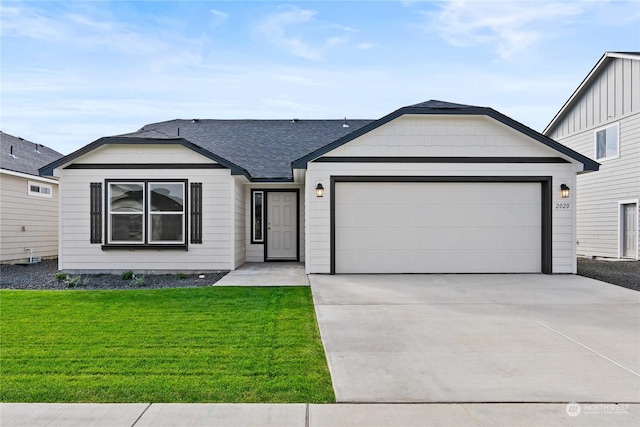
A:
479, 338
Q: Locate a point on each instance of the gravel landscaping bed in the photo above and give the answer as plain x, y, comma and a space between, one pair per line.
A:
621, 273
43, 276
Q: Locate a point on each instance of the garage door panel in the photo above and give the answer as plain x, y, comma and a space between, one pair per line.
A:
438, 227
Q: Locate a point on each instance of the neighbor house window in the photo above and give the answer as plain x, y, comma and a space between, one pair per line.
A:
607, 142
39, 189
257, 235
146, 212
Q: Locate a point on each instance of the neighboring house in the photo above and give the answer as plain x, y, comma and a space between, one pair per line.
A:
601, 120
430, 188
28, 202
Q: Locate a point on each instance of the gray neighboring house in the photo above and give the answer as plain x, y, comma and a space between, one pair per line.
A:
28, 201
434, 187
601, 120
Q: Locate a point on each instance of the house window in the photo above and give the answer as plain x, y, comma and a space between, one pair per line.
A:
607, 143
146, 212
39, 189
257, 235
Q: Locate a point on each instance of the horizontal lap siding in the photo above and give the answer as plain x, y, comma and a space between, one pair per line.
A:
239, 223
38, 215
598, 193
215, 252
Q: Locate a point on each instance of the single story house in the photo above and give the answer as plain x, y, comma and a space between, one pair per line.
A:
28, 201
434, 187
601, 120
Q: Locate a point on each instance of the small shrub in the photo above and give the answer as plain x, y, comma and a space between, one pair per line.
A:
61, 276
138, 281
181, 276
127, 275
72, 281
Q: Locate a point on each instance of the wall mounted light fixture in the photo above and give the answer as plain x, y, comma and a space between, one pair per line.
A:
564, 191
319, 190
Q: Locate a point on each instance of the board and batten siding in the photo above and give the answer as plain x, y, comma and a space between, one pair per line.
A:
215, 252
433, 136
614, 94
612, 98
27, 221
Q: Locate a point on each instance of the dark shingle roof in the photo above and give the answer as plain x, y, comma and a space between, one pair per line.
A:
27, 159
265, 148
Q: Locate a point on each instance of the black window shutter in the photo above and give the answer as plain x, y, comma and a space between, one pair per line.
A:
96, 212
196, 212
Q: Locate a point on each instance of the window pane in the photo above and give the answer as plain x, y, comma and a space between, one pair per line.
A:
612, 141
166, 228
126, 228
167, 197
257, 212
126, 197
601, 144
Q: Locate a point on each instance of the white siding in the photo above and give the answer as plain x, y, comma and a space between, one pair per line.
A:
239, 214
26, 221
612, 97
613, 94
216, 251
598, 193
401, 142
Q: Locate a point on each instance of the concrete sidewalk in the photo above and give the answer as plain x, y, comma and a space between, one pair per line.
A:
266, 274
305, 415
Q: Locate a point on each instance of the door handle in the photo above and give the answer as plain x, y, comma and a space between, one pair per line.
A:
269, 226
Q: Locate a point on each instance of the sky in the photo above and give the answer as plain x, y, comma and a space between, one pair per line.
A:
72, 71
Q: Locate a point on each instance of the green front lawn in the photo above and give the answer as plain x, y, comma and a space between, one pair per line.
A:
169, 345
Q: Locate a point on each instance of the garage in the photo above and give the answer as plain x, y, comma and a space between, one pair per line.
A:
440, 225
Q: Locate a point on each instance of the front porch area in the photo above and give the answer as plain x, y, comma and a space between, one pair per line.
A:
266, 274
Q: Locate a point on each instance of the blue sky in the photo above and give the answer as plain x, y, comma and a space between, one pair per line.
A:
73, 71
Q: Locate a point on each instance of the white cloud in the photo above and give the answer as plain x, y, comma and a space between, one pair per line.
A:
296, 30
366, 45
218, 17
512, 27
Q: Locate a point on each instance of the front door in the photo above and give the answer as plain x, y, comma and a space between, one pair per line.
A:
629, 230
282, 225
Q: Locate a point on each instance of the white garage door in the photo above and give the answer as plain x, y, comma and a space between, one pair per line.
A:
438, 227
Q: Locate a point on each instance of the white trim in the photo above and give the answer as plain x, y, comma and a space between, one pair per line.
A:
595, 142
48, 194
621, 203
149, 220
110, 212
28, 176
254, 193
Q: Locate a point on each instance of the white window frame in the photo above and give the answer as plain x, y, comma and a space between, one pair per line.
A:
622, 203
110, 213
595, 142
253, 216
40, 186
150, 213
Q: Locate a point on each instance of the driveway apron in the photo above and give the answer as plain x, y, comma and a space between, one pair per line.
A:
479, 338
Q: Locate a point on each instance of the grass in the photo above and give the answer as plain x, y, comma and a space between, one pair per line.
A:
167, 345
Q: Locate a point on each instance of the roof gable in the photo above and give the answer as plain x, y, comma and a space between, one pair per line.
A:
435, 107
27, 156
584, 86
48, 169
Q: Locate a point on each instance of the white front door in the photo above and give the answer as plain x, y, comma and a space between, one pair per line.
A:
630, 230
282, 225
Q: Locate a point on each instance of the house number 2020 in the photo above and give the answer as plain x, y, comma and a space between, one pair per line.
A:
563, 205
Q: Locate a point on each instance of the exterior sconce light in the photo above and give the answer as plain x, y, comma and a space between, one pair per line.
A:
319, 190
564, 191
